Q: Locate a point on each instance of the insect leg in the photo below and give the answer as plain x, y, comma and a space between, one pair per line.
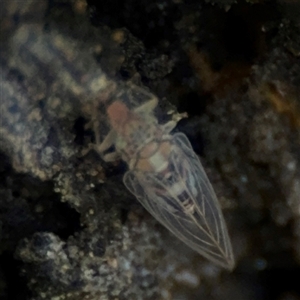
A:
105, 145
176, 117
111, 157
107, 142
148, 106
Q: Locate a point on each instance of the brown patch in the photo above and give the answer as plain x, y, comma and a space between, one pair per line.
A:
222, 82
118, 114
283, 98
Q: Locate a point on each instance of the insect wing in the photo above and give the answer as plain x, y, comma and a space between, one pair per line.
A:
208, 214
202, 227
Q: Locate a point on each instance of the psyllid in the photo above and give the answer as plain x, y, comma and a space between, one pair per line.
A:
167, 177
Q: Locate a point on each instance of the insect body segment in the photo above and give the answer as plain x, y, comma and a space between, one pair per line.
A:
167, 177
136, 137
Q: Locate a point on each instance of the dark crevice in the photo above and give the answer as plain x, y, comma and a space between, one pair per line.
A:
15, 284
281, 280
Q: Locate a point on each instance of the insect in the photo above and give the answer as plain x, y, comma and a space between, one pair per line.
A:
166, 176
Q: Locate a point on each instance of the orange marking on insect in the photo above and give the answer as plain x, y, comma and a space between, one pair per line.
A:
118, 114
124, 121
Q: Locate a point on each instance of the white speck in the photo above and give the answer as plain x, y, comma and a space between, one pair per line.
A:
187, 278
244, 178
291, 166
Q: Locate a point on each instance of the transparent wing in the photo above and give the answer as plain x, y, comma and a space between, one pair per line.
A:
185, 203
